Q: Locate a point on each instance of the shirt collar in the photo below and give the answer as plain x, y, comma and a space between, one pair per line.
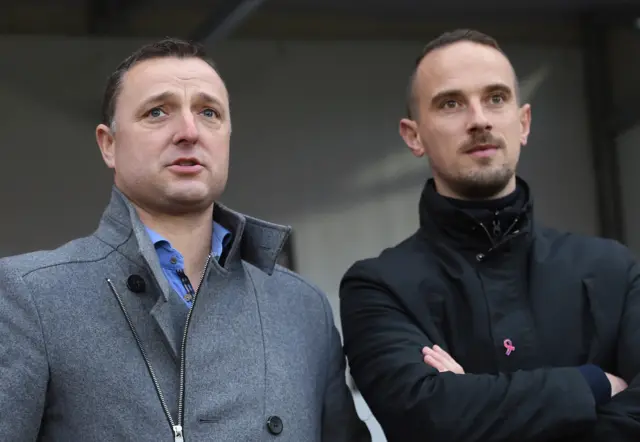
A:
219, 239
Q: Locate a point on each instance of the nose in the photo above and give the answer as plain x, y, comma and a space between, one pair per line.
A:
187, 130
478, 121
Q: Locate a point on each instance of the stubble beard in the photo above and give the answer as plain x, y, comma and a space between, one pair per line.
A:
482, 184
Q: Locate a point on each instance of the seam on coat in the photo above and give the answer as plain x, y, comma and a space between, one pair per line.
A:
117, 248
264, 346
82, 261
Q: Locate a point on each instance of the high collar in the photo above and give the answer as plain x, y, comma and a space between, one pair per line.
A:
470, 226
254, 241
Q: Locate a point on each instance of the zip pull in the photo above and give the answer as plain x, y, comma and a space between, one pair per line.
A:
177, 433
497, 230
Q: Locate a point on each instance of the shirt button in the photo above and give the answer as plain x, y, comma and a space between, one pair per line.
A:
274, 424
173, 260
188, 297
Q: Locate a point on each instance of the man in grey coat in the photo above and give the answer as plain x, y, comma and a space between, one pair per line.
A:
171, 322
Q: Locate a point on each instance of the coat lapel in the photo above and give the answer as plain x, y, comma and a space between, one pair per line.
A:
121, 227
254, 241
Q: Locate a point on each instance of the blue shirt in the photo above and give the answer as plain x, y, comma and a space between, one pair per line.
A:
172, 262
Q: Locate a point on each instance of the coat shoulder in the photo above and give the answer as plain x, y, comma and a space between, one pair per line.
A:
409, 258
47, 263
289, 290
578, 248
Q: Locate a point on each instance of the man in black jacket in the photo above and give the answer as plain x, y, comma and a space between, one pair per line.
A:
484, 325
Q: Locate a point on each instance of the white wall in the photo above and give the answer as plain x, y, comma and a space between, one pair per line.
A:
315, 143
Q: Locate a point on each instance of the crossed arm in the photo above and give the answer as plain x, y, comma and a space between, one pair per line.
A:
432, 395
442, 361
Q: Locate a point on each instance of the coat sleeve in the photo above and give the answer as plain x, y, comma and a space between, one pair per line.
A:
23, 363
619, 419
340, 421
414, 402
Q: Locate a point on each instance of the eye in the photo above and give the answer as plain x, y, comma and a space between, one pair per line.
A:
156, 112
211, 113
449, 104
497, 99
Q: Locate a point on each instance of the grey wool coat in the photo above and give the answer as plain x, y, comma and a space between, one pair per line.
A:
90, 330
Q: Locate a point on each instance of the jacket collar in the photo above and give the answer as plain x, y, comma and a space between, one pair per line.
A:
255, 241
442, 220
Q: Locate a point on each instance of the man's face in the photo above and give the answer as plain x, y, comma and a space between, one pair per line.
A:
169, 146
468, 120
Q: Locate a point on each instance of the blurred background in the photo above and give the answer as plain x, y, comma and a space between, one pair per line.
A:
317, 89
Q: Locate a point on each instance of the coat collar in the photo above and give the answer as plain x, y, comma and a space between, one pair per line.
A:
442, 220
255, 241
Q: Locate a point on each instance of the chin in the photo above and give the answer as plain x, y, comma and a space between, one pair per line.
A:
188, 195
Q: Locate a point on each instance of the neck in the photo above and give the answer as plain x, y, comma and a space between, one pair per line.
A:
190, 234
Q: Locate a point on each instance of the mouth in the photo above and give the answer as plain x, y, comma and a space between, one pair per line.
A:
186, 166
483, 150
186, 162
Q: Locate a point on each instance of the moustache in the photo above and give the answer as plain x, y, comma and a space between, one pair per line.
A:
481, 140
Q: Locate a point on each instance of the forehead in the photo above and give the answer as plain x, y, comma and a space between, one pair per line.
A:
182, 76
463, 66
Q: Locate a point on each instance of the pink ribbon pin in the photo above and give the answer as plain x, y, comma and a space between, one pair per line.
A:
509, 346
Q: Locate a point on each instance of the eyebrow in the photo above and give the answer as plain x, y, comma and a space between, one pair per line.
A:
457, 92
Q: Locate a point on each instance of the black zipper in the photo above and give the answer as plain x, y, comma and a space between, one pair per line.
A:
176, 425
507, 237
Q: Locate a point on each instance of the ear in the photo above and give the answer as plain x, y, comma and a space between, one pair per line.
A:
525, 123
409, 133
107, 143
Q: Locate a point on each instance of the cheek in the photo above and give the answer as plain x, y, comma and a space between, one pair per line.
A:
443, 143
136, 153
217, 147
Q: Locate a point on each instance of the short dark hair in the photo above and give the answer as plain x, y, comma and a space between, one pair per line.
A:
168, 47
446, 39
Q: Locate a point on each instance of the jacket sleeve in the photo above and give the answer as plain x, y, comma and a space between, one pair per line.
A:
619, 419
340, 421
414, 402
23, 362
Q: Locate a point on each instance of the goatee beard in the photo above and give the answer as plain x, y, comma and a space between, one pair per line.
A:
481, 188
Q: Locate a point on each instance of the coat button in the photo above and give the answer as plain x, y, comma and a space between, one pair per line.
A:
136, 284
274, 424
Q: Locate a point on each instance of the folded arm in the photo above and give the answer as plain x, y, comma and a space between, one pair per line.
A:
413, 401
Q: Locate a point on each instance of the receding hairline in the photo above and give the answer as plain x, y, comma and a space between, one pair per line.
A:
140, 65
412, 96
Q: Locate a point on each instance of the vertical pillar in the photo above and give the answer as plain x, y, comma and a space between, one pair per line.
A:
599, 94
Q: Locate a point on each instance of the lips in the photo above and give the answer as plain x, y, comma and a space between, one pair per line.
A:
482, 147
186, 162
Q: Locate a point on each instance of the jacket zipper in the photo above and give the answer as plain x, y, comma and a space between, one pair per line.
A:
176, 427
505, 238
